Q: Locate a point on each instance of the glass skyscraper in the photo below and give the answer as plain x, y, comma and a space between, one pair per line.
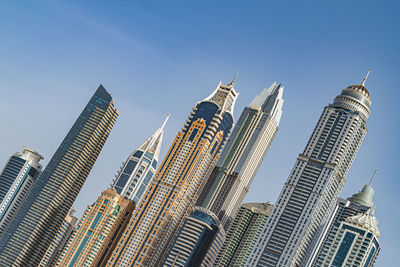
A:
314, 183
240, 159
138, 170
98, 231
175, 188
198, 241
357, 204
16, 181
29, 235
243, 234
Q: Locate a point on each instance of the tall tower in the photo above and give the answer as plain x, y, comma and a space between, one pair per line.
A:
138, 170
315, 182
243, 154
345, 208
353, 242
59, 242
198, 241
37, 222
16, 181
98, 231
243, 234
177, 183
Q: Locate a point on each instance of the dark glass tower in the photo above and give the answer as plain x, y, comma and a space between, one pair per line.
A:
29, 235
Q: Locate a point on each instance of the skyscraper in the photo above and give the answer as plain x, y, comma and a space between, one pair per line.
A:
315, 182
177, 183
357, 204
29, 235
243, 234
138, 170
98, 231
198, 241
16, 181
240, 159
353, 242
56, 247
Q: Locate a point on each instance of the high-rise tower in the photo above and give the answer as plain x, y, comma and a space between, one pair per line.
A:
359, 203
29, 235
178, 181
243, 154
243, 234
59, 242
315, 182
98, 231
138, 170
16, 181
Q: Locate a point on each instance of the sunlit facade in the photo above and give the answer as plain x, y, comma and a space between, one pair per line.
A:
59, 242
16, 181
314, 184
138, 170
178, 181
98, 231
40, 217
240, 159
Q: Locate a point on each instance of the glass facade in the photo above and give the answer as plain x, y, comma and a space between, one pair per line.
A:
178, 181
37, 222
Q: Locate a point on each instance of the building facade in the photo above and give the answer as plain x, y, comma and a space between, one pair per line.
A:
198, 241
353, 242
314, 183
240, 159
178, 182
137, 172
56, 247
16, 181
345, 208
243, 234
98, 231
31, 232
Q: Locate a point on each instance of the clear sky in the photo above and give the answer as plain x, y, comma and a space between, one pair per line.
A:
160, 57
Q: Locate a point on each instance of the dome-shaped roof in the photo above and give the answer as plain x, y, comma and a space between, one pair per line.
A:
355, 98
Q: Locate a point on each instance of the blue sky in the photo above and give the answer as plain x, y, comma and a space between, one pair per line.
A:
160, 57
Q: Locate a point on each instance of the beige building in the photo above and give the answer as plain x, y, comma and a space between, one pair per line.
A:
98, 231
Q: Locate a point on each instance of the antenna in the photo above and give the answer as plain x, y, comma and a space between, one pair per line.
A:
373, 176
366, 77
165, 122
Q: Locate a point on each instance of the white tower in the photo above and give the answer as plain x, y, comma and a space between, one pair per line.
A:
315, 182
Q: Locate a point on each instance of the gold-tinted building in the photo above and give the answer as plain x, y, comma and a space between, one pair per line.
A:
98, 231
178, 182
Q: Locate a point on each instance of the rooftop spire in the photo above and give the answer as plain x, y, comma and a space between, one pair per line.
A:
373, 176
365, 79
165, 121
233, 80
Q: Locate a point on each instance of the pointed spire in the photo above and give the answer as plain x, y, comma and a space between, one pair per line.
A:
165, 121
373, 176
232, 83
366, 77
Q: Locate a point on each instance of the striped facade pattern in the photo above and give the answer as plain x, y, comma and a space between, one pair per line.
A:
314, 183
198, 242
243, 234
177, 183
16, 181
251, 138
56, 247
98, 231
41, 216
353, 242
